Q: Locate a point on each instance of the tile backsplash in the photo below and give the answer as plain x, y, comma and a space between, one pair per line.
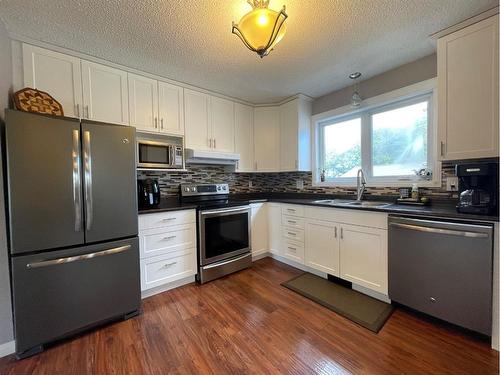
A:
274, 182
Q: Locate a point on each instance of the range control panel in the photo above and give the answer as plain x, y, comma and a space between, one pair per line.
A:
204, 189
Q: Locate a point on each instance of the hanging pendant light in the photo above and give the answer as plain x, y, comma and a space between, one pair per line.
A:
261, 28
356, 99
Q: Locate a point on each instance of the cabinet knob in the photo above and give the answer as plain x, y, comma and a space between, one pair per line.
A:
433, 300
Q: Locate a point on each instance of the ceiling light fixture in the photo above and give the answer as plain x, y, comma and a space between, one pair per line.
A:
261, 28
356, 99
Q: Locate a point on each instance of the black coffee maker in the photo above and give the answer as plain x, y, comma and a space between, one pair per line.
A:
478, 188
148, 191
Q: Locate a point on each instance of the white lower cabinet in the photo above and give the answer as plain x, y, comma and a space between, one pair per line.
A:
167, 246
274, 228
322, 245
259, 229
164, 269
363, 256
293, 250
348, 244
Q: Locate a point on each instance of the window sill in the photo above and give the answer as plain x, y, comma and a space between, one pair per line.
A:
378, 184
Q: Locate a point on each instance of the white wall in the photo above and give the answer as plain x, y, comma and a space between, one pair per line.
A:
6, 330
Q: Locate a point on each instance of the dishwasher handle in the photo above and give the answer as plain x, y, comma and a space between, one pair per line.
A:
451, 232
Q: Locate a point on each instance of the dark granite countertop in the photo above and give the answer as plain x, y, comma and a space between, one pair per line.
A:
443, 209
168, 204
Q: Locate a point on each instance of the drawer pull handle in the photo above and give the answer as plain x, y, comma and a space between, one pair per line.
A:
169, 219
168, 265
292, 234
169, 238
292, 221
290, 210
292, 248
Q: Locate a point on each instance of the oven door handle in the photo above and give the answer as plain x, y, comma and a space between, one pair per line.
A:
223, 211
217, 264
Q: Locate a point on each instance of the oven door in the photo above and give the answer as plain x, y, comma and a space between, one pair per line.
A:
223, 233
154, 155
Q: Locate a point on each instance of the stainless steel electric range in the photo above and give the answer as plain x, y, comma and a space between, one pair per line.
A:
223, 227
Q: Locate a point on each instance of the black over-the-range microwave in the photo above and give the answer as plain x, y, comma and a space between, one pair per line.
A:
159, 151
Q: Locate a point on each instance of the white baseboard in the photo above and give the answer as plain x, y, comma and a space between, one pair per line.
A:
7, 349
371, 293
259, 255
292, 263
163, 288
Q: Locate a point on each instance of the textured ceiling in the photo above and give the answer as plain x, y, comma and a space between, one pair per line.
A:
191, 41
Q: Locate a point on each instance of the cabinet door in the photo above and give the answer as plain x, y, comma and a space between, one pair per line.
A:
363, 256
171, 108
289, 136
143, 102
55, 73
244, 137
267, 139
468, 91
274, 220
259, 228
105, 94
196, 115
222, 124
322, 246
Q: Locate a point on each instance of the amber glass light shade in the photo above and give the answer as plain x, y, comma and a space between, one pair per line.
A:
261, 29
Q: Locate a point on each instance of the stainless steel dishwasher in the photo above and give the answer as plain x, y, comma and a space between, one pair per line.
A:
443, 269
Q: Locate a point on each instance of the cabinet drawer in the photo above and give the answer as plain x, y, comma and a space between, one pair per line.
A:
292, 210
293, 250
160, 241
166, 219
293, 234
292, 222
164, 269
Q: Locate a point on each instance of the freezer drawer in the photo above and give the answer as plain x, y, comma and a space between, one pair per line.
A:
443, 269
61, 292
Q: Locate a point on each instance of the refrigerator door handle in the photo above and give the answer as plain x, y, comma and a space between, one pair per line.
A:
53, 262
77, 180
87, 159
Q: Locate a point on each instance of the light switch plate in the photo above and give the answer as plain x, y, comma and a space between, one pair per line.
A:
452, 184
250, 184
299, 184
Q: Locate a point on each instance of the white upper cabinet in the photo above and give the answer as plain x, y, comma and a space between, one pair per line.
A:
105, 94
243, 144
155, 106
171, 108
143, 102
468, 91
196, 117
55, 73
209, 122
222, 124
267, 139
295, 133
322, 246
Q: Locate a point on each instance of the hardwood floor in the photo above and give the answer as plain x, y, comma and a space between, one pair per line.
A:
248, 323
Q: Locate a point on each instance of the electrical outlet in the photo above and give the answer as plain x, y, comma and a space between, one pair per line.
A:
250, 184
299, 184
452, 184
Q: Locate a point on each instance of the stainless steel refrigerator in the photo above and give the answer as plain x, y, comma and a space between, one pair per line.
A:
72, 208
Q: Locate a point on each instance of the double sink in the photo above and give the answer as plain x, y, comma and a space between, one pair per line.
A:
351, 203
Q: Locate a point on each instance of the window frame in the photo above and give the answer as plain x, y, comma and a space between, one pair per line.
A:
395, 99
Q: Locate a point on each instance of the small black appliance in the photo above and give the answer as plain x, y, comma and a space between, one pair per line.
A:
478, 188
149, 192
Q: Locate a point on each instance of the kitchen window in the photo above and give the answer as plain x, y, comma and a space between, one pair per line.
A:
393, 142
